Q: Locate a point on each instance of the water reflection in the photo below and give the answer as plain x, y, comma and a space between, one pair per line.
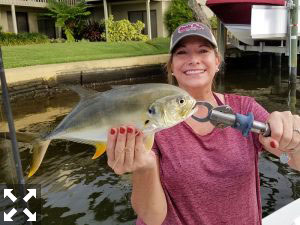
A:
79, 190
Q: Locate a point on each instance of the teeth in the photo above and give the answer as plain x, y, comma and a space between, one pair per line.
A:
190, 72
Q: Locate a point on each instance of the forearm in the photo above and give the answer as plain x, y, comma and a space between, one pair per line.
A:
148, 198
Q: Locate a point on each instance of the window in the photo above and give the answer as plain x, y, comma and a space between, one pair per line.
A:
134, 16
22, 21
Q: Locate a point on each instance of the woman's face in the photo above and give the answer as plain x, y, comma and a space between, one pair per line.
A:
194, 63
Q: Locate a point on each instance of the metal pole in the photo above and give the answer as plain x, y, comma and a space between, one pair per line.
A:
12, 134
294, 42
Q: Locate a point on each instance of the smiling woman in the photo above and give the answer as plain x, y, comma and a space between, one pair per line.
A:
195, 170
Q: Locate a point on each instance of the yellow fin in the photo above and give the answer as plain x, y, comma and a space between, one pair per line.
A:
148, 141
39, 151
100, 149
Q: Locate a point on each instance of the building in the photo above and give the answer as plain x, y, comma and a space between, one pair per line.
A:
27, 15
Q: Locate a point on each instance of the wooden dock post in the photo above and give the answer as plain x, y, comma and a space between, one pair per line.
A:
277, 74
221, 40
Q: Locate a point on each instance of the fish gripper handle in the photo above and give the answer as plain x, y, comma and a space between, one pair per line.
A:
244, 123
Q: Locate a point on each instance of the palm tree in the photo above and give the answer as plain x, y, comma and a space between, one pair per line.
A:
68, 17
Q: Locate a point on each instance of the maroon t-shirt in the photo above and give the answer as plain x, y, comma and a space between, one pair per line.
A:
211, 179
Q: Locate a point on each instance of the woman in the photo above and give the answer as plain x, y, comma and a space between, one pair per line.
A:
196, 173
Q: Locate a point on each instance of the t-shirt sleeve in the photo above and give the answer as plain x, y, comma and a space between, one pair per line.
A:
155, 148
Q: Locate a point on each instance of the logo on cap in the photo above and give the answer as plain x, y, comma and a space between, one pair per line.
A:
188, 27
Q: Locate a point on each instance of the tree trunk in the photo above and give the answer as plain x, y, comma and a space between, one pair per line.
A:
198, 12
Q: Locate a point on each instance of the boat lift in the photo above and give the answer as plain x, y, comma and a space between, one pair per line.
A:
269, 24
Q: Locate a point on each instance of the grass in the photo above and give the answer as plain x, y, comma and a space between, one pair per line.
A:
29, 55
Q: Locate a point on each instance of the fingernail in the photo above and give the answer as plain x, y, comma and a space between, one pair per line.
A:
122, 130
129, 130
272, 144
112, 131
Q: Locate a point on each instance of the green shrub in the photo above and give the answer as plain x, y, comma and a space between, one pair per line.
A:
123, 30
92, 31
69, 18
178, 13
22, 38
1, 29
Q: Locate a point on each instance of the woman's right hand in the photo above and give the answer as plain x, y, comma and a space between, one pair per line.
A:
126, 151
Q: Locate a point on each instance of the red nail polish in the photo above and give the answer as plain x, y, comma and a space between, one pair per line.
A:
129, 130
112, 131
122, 130
272, 144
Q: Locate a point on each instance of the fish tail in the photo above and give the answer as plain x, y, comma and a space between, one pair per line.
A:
39, 150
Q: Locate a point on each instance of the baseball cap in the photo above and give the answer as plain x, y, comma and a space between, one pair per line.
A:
192, 29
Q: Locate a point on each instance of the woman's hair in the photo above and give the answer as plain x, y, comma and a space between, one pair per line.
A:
168, 66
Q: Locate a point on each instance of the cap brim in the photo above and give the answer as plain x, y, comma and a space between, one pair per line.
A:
191, 34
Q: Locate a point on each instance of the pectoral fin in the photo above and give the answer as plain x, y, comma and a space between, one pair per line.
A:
100, 149
148, 141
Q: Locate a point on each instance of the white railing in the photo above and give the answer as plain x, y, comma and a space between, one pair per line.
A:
33, 3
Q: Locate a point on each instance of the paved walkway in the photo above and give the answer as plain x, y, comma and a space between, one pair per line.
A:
51, 71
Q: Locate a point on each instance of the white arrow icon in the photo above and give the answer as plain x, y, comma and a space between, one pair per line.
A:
8, 216
7, 193
31, 193
31, 217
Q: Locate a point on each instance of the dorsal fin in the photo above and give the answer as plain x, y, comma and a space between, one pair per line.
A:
81, 91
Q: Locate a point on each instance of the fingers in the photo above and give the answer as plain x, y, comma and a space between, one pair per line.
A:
283, 135
294, 144
139, 147
111, 142
119, 150
287, 132
129, 149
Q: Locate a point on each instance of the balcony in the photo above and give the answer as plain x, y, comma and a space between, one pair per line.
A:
32, 3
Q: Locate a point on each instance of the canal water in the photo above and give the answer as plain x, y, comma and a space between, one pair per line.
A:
78, 190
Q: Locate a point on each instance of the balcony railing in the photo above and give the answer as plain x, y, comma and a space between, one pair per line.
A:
33, 3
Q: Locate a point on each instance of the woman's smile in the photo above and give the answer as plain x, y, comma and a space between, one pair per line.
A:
194, 72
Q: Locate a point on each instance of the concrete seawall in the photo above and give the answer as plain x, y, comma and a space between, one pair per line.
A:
41, 80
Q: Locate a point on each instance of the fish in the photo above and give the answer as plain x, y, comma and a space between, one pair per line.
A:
150, 107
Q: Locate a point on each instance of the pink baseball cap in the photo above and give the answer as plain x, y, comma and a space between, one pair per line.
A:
192, 29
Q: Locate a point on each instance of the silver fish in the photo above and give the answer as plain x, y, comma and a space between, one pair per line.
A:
148, 107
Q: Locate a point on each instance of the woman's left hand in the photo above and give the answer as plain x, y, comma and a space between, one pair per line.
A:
285, 134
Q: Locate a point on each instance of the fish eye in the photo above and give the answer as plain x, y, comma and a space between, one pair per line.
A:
151, 110
147, 121
181, 100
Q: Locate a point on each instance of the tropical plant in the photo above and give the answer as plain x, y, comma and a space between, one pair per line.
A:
92, 31
68, 17
124, 30
178, 13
